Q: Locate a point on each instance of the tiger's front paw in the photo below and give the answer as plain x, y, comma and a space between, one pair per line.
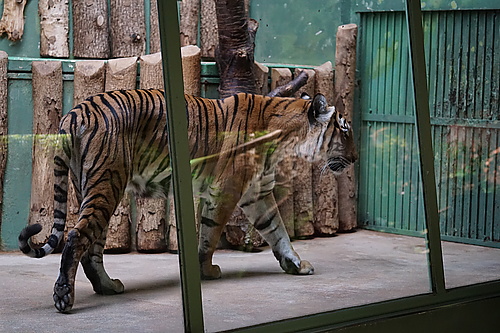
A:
210, 272
303, 267
63, 297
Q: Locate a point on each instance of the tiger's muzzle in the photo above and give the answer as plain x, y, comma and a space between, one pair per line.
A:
340, 163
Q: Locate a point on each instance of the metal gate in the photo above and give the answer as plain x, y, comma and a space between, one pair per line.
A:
463, 65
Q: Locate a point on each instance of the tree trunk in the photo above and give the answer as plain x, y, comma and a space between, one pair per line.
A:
208, 29
12, 22
325, 194
190, 11
88, 80
3, 124
120, 74
47, 110
151, 214
237, 71
345, 78
90, 29
128, 29
235, 54
54, 27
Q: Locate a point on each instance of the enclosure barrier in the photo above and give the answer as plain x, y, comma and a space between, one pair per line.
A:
308, 199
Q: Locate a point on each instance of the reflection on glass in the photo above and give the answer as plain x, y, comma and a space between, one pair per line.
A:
463, 95
469, 186
352, 269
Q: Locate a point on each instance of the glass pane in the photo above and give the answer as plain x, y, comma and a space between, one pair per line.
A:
463, 92
351, 269
152, 296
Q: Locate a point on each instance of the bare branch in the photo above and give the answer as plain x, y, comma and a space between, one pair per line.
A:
290, 88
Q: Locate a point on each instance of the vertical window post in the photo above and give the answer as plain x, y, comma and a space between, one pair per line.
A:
181, 175
424, 138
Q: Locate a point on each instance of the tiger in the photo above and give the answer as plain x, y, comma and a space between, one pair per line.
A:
118, 141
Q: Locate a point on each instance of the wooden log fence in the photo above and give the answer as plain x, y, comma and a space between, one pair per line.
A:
307, 197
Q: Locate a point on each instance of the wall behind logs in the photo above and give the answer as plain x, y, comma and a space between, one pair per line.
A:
111, 57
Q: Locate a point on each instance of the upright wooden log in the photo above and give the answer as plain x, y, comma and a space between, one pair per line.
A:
261, 73
283, 189
89, 80
54, 27
128, 29
3, 124
345, 78
120, 74
191, 69
208, 29
325, 196
12, 22
151, 71
154, 28
302, 180
151, 216
47, 110
189, 13
90, 29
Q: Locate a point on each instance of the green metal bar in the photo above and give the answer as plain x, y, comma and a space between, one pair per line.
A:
424, 138
322, 322
181, 175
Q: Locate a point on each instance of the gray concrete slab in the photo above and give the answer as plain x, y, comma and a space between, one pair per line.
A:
351, 269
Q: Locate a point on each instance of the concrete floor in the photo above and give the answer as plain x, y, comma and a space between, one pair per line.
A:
351, 269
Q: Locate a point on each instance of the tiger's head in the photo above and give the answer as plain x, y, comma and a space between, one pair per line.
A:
330, 138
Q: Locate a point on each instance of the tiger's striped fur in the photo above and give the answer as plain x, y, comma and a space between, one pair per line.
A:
118, 139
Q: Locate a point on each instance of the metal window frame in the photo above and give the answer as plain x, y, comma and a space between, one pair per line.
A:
178, 145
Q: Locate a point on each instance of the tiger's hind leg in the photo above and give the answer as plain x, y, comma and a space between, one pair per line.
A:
93, 266
85, 243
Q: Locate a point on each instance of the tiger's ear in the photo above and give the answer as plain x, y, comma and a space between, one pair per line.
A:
304, 95
319, 110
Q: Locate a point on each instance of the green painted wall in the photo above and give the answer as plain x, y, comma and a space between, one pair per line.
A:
303, 32
464, 89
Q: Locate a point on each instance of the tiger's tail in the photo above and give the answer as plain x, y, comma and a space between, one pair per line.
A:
61, 170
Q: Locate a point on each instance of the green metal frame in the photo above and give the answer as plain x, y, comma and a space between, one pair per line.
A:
439, 297
179, 150
424, 138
